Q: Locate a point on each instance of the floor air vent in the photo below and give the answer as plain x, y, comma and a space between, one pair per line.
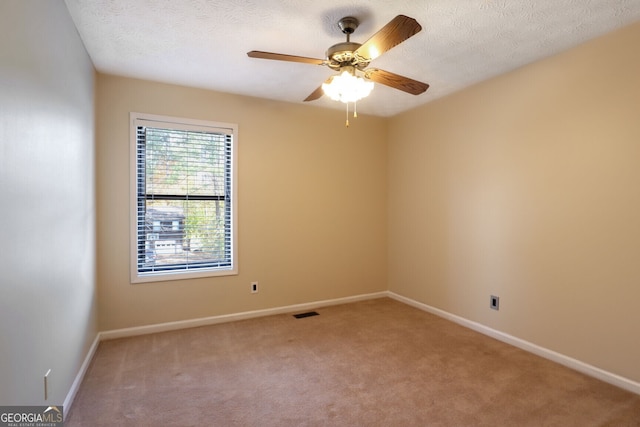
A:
307, 314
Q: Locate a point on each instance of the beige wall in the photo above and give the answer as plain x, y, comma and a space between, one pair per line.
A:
528, 187
48, 303
312, 205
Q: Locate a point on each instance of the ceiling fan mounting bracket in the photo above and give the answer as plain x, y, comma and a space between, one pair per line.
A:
348, 25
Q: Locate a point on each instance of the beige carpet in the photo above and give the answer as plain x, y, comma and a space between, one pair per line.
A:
371, 363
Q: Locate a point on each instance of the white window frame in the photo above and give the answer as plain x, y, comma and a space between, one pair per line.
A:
136, 119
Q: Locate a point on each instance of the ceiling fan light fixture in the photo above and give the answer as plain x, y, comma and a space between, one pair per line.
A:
347, 87
347, 57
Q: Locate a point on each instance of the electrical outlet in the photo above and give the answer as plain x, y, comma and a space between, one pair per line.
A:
494, 302
254, 287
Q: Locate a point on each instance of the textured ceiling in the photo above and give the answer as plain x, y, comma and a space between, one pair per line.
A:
203, 43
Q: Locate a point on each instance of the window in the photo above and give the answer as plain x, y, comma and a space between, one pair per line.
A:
183, 196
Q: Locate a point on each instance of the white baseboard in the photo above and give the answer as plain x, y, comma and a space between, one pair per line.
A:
192, 323
567, 361
75, 386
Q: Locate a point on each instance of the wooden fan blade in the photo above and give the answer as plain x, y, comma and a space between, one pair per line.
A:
318, 92
396, 81
315, 94
395, 32
283, 57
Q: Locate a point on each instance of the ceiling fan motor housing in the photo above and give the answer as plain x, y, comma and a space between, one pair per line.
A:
342, 54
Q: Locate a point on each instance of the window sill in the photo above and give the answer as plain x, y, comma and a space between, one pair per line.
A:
164, 276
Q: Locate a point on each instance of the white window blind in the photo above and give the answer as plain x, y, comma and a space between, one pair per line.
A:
184, 215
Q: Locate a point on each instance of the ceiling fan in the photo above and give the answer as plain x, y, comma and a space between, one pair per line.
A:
351, 58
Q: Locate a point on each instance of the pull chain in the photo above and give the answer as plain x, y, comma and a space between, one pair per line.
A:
355, 112
347, 122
